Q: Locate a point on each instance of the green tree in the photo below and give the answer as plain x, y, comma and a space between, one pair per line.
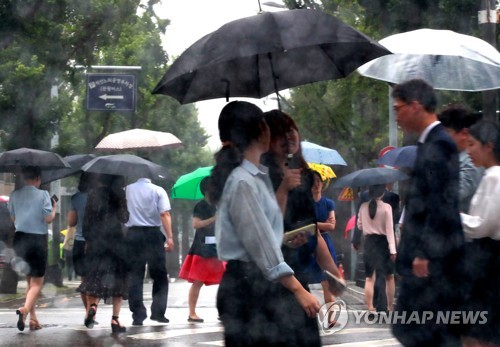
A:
46, 49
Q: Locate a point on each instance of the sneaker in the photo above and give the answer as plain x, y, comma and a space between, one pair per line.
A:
160, 319
137, 322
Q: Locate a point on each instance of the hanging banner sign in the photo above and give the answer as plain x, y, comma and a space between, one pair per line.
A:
111, 92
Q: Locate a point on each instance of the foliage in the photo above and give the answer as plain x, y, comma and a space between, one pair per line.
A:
53, 43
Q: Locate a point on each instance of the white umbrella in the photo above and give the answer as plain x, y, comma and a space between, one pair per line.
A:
445, 59
139, 139
314, 153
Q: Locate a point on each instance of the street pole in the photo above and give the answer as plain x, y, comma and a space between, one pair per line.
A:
487, 19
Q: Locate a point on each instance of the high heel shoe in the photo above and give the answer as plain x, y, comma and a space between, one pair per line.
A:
116, 327
21, 312
34, 324
89, 321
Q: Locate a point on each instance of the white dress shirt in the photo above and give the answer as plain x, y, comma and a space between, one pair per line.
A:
483, 217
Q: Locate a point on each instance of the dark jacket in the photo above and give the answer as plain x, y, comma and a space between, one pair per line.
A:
432, 226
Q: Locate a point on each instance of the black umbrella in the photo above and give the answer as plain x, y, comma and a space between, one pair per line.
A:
368, 177
128, 165
272, 51
75, 161
11, 161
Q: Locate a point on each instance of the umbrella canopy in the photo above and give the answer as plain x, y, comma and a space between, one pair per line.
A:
399, 157
325, 171
272, 51
11, 161
75, 161
351, 223
127, 165
138, 139
321, 155
445, 59
188, 185
368, 177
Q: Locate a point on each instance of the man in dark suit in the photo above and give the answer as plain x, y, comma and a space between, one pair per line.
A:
432, 241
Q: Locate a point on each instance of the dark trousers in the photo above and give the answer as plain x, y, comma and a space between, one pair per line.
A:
146, 247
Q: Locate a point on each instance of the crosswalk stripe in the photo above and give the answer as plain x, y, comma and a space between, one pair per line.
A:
159, 335
376, 343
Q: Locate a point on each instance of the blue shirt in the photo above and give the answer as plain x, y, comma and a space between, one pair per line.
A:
29, 206
249, 223
78, 202
323, 207
145, 202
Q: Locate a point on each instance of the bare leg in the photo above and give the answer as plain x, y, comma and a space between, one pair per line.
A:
369, 287
84, 298
33, 289
117, 305
327, 295
390, 290
194, 293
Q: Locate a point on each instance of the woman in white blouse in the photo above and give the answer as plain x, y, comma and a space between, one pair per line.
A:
482, 225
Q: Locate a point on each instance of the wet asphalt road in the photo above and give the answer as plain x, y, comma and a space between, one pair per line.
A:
62, 318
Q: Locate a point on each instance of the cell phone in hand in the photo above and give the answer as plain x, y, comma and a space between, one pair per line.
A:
54, 198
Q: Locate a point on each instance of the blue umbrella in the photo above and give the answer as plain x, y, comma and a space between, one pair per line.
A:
399, 157
314, 153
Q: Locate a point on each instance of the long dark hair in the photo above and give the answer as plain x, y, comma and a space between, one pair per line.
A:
280, 123
374, 192
240, 124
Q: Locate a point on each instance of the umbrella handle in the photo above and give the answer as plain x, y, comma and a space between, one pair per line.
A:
228, 84
275, 78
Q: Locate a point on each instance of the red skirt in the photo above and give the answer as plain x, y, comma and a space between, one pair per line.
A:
206, 270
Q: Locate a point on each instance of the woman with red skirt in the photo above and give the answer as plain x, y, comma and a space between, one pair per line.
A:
201, 266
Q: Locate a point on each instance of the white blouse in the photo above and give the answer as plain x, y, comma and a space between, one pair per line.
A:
483, 217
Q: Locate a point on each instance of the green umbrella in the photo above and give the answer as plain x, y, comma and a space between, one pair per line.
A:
188, 185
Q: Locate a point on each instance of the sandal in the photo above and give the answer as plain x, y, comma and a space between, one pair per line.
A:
21, 312
34, 324
89, 320
116, 327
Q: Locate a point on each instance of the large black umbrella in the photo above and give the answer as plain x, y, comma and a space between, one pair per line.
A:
75, 161
11, 161
127, 165
368, 177
272, 51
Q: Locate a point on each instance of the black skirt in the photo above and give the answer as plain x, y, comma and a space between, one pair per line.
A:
376, 256
258, 312
483, 275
